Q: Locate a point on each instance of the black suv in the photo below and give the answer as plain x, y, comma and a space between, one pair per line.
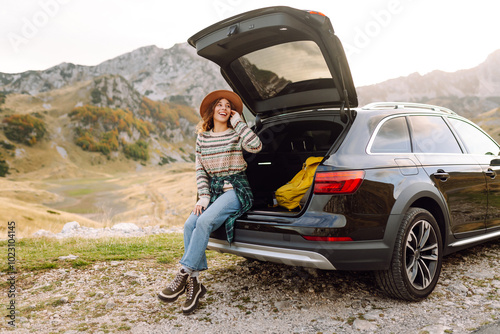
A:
400, 184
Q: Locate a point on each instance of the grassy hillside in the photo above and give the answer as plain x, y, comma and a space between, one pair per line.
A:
54, 180
124, 159
78, 136
490, 122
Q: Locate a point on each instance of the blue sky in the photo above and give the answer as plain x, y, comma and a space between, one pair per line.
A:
383, 38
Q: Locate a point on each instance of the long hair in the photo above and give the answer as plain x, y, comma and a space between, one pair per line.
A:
207, 120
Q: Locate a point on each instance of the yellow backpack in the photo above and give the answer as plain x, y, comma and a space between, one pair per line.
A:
290, 194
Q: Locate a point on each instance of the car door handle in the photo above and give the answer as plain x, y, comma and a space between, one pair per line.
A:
491, 173
441, 175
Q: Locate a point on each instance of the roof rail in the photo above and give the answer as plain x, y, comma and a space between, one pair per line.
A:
402, 105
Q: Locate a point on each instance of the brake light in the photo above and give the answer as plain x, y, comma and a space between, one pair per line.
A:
312, 238
315, 13
345, 182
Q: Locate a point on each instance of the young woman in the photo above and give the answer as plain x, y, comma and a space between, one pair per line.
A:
224, 193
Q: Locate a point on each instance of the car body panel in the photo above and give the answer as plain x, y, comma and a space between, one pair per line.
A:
490, 166
464, 190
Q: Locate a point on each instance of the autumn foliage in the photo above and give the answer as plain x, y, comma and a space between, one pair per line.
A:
99, 128
24, 129
166, 113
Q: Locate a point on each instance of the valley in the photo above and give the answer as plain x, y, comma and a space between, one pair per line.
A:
160, 196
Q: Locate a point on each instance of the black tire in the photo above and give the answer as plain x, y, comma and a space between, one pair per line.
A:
416, 260
251, 260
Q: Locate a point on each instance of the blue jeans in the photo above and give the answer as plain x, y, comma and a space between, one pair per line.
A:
197, 229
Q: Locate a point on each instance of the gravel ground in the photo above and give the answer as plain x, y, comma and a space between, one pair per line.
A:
253, 297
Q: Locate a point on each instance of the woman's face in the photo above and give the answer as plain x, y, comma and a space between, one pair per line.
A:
222, 111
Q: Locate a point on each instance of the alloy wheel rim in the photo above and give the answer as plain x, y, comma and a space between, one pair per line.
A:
421, 254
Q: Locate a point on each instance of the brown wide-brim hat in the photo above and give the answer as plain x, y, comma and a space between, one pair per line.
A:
218, 94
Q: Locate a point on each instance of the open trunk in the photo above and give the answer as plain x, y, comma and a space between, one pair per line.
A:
291, 72
286, 146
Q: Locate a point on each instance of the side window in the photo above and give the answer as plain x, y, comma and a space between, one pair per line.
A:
249, 117
431, 134
474, 139
392, 137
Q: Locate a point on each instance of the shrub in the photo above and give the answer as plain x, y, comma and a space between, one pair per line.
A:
2, 98
24, 129
96, 96
137, 151
38, 115
86, 141
89, 142
4, 168
6, 145
166, 160
110, 140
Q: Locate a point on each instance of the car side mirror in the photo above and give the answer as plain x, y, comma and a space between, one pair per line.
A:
495, 162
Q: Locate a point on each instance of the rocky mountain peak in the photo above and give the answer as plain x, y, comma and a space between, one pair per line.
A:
493, 58
468, 92
159, 74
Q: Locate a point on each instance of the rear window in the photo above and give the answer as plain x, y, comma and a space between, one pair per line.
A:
283, 68
393, 137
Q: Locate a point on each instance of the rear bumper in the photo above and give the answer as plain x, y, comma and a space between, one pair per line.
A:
294, 250
292, 257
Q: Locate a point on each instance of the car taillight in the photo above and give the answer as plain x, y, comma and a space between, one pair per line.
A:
315, 12
312, 238
344, 182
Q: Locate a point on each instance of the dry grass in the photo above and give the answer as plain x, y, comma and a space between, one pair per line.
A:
161, 197
60, 100
22, 202
153, 196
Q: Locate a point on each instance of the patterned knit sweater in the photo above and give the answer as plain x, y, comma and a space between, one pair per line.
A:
220, 154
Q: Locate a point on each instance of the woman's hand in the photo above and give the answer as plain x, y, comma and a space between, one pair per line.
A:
234, 117
198, 210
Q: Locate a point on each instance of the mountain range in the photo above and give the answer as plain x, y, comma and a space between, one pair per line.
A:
153, 84
473, 93
468, 92
177, 74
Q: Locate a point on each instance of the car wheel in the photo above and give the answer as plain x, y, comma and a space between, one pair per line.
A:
416, 260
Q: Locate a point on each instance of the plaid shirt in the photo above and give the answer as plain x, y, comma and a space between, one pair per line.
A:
243, 192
